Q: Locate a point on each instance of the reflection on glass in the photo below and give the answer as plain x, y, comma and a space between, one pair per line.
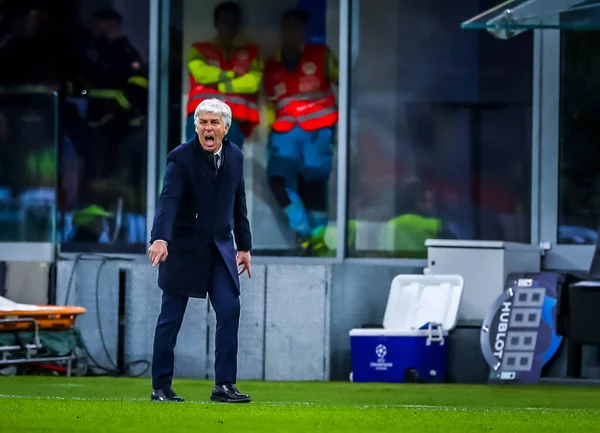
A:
275, 64
28, 156
84, 55
107, 123
28, 125
299, 82
579, 181
440, 142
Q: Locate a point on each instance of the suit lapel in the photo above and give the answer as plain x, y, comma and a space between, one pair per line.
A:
205, 165
225, 159
226, 166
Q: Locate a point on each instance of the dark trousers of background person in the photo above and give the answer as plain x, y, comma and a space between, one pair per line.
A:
299, 166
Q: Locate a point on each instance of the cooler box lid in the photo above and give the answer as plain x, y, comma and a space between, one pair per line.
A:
416, 300
486, 245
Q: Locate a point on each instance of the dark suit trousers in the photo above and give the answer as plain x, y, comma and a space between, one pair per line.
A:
226, 303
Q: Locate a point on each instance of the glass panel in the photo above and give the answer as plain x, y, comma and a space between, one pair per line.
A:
579, 182
440, 131
103, 50
28, 155
291, 197
513, 17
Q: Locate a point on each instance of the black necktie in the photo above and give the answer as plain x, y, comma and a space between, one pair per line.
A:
217, 162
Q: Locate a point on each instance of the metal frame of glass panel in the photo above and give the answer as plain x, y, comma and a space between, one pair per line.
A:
158, 117
343, 127
130, 258
27, 252
153, 127
536, 139
546, 127
163, 97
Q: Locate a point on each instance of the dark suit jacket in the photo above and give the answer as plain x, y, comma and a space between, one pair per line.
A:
196, 213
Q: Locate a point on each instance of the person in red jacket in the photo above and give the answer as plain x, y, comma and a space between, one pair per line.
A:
228, 68
299, 82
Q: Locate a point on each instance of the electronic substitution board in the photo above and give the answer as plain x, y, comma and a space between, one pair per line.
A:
518, 336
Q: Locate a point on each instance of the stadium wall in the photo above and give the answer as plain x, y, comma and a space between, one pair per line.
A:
294, 323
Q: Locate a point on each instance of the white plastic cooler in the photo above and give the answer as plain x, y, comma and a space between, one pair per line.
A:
420, 312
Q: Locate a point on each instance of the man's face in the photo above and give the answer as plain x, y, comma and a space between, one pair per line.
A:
292, 33
100, 29
227, 25
211, 131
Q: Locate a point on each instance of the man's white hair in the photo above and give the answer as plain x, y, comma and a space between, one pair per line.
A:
213, 106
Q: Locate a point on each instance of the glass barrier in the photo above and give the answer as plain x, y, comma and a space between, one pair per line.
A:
578, 179
234, 51
513, 17
103, 179
28, 162
430, 153
569, 105
73, 124
104, 128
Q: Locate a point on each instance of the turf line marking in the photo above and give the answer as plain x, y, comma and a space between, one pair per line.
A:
421, 407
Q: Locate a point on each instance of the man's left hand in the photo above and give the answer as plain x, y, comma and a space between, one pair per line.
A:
243, 259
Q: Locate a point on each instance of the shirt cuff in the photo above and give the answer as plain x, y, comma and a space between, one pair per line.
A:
160, 240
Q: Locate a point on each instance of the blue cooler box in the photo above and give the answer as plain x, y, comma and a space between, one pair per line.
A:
420, 312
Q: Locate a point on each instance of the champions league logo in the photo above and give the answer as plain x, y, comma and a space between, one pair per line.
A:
381, 351
518, 337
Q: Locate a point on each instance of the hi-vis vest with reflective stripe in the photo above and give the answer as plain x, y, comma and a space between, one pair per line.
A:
304, 97
243, 106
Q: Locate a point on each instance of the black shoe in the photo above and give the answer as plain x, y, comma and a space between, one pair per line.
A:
165, 395
228, 394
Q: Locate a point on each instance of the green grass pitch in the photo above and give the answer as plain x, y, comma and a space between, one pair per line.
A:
90, 405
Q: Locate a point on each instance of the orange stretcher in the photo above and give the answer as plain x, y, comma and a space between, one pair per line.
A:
46, 316
41, 336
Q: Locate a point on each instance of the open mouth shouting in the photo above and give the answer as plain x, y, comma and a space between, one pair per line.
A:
209, 139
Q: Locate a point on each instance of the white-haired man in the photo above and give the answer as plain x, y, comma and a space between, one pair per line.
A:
202, 201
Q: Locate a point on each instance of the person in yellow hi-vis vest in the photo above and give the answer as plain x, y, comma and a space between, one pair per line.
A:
405, 234
228, 68
402, 236
299, 80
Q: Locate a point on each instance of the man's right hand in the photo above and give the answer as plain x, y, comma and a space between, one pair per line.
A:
158, 252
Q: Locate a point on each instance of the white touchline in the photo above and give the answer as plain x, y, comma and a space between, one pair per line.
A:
307, 404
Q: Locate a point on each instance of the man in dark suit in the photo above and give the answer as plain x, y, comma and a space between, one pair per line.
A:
202, 201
